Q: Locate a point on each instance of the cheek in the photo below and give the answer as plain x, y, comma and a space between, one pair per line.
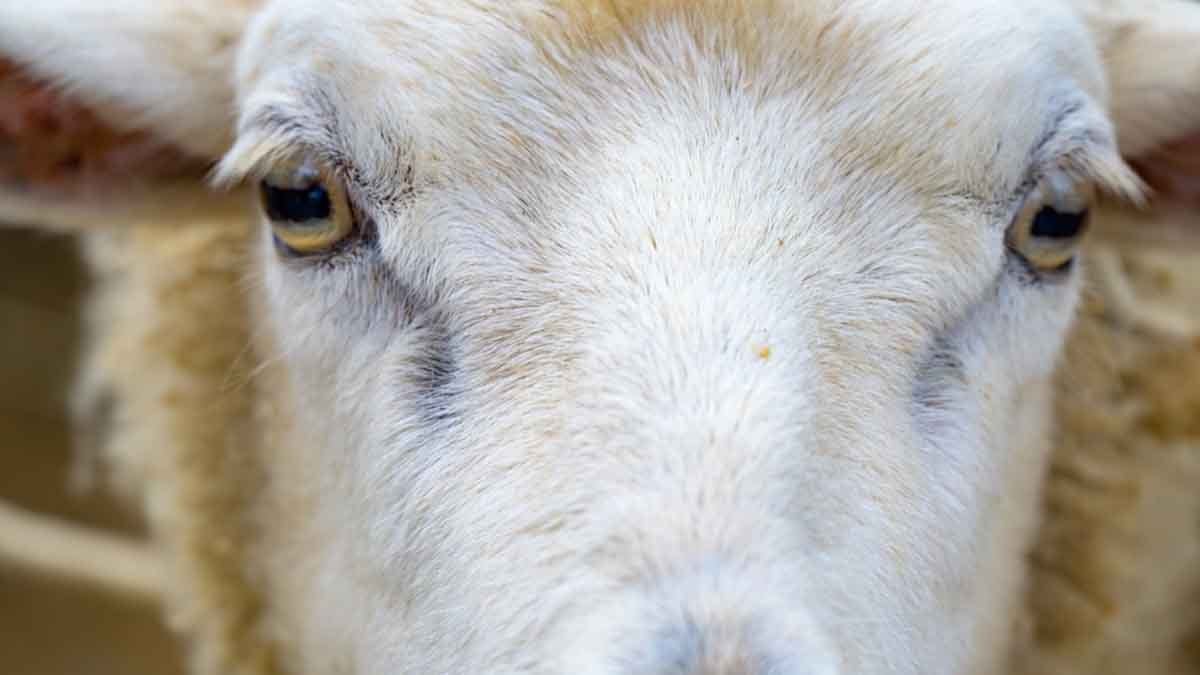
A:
335, 395
977, 378
326, 379
1009, 350
983, 454
1036, 321
332, 321
298, 566
372, 381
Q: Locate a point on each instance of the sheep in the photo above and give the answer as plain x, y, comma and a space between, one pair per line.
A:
607, 337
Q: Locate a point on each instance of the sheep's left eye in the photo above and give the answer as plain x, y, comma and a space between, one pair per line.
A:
307, 208
1050, 227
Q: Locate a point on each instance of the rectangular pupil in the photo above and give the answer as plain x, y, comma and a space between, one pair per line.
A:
297, 206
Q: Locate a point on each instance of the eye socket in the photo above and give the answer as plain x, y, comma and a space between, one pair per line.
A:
1051, 225
307, 207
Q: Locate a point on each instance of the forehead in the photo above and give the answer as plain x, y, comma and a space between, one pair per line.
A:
909, 88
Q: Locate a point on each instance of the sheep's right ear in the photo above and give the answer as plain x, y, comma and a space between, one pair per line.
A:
111, 107
1171, 217
1151, 50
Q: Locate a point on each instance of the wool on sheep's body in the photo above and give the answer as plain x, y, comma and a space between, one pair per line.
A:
166, 381
1115, 575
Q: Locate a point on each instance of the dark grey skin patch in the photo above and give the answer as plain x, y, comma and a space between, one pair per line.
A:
436, 372
940, 373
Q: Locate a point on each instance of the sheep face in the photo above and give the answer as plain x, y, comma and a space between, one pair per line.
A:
641, 337
664, 337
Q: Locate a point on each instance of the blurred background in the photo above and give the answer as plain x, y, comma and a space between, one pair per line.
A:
46, 627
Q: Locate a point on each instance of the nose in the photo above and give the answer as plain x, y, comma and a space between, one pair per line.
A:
688, 648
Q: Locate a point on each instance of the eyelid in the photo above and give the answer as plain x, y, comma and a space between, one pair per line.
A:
272, 136
1084, 158
1066, 193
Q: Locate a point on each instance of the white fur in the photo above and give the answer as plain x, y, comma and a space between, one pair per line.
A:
693, 290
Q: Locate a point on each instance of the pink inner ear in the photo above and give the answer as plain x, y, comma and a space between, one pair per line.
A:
48, 142
1174, 173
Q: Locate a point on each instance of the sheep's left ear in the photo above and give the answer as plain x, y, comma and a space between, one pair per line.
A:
1151, 51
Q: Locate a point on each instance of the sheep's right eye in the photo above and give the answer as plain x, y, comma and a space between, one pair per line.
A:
307, 208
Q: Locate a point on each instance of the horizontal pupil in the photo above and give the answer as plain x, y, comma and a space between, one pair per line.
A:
297, 206
1058, 225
